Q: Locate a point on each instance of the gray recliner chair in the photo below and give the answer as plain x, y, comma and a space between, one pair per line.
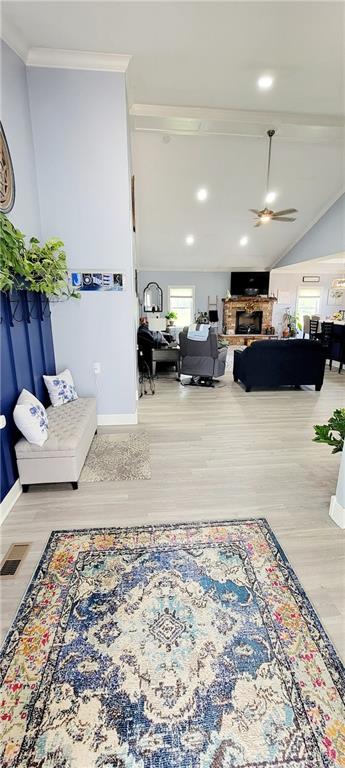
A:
202, 359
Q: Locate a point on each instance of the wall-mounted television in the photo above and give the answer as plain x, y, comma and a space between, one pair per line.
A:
249, 283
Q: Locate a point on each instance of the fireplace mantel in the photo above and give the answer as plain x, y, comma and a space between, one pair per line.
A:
252, 299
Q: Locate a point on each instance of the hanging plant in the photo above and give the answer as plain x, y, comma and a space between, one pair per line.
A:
37, 268
12, 255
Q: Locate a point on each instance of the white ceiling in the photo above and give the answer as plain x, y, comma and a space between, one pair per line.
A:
203, 59
205, 54
306, 176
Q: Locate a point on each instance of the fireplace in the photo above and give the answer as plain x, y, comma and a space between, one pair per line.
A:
248, 322
255, 311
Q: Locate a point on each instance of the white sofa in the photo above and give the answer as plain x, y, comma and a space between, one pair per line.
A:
71, 428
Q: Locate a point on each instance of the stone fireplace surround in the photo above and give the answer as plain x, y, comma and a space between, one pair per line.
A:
247, 304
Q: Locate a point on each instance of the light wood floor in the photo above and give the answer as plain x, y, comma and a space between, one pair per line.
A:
216, 454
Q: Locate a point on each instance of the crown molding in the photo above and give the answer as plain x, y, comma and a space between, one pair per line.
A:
237, 115
64, 59
60, 58
233, 122
11, 35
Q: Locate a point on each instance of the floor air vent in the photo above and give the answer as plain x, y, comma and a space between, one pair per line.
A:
14, 557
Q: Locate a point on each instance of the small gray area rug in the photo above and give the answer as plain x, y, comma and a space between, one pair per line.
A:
117, 457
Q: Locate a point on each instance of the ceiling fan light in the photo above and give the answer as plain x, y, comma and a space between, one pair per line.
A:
266, 217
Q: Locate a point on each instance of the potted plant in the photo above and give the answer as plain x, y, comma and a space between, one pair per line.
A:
291, 325
38, 268
171, 317
332, 433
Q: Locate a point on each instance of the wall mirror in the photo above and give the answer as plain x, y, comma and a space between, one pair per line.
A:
153, 298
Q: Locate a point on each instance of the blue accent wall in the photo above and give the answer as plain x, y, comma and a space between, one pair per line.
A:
26, 354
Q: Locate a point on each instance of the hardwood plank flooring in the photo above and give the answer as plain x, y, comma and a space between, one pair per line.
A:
216, 454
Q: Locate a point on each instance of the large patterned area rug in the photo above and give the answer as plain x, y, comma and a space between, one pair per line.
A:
181, 646
117, 457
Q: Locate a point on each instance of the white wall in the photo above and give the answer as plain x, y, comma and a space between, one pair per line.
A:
217, 283
15, 117
290, 282
207, 284
81, 145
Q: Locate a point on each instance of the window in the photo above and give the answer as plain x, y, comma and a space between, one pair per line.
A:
308, 302
181, 301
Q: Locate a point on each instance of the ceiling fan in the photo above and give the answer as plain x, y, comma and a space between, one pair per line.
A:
266, 214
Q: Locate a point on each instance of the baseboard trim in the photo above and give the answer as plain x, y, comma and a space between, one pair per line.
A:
116, 419
9, 501
337, 512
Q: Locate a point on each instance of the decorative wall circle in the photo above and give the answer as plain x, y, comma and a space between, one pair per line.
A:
7, 184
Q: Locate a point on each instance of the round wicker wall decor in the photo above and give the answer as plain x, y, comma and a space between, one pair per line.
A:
7, 185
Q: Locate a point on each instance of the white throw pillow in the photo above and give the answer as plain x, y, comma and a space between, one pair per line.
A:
30, 417
61, 388
26, 396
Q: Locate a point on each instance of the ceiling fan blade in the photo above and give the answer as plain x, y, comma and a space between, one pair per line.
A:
282, 218
253, 210
258, 224
282, 213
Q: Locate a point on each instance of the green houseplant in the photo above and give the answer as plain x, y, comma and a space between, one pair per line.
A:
332, 433
171, 317
293, 324
12, 255
37, 268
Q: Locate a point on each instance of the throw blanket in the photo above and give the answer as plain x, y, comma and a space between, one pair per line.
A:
198, 332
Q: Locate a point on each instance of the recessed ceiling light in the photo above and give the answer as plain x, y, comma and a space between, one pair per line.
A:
270, 197
202, 194
265, 82
244, 240
190, 239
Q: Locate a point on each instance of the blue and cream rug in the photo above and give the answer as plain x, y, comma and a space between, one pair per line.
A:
181, 646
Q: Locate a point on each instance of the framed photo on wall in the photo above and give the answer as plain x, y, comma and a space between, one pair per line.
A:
97, 281
335, 297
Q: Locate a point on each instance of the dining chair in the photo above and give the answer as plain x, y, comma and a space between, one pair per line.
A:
325, 338
313, 329
306, 325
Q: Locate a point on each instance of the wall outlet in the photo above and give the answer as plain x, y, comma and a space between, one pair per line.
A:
97, 368
2, 421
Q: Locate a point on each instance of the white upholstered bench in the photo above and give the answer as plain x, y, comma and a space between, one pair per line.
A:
71, 428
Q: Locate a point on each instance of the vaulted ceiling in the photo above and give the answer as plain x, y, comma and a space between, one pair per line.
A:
232, 168
199, 120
